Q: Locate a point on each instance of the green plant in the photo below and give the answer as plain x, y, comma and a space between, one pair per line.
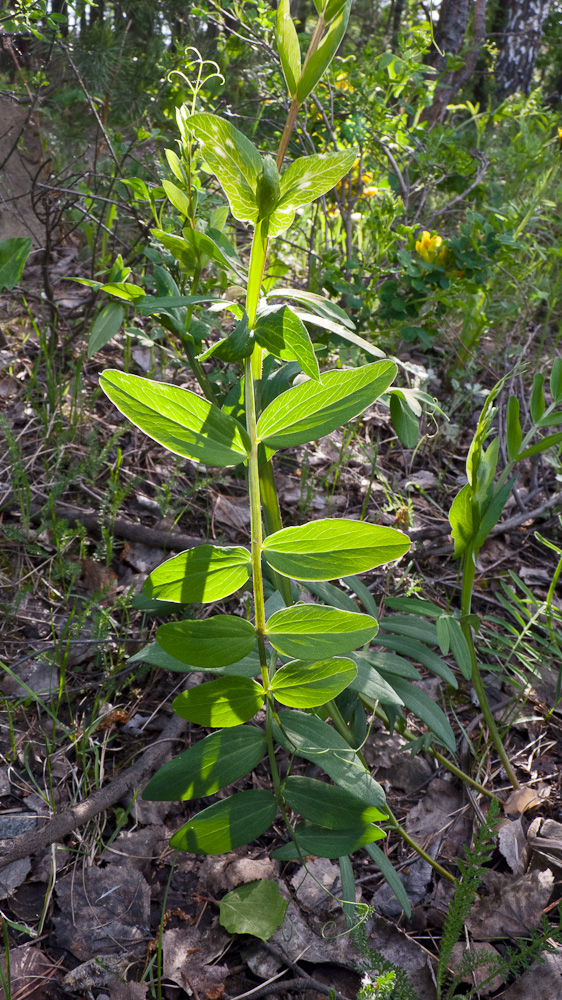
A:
515, 959
319, 676
382, 980
477, 509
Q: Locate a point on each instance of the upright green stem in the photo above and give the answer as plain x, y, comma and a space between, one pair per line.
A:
255, 520
477, 682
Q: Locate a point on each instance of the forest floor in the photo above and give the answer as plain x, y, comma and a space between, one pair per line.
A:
94, 901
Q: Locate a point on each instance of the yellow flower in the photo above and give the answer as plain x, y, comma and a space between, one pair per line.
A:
560, 136
342, 83
428, 246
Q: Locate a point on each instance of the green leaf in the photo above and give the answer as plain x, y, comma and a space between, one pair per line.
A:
414, 605
424, 707
327, 805
151, 305
256, 908
183, 422
391, 876
389, 663
233, 159
282, 333
370, 683
13, 256
312, 409
514, 434
348, 891
175, 165
460, 518
124, 290
556, 380
321, 305
194, 250
405, 423
307, 631
340, 331
309, 177
335, 597
227, 702
537, 397
493, 511
208, 766
288, 46
317, 742
106, 324
209, 642
249, 666
227, 824
177, 197
459, 645
416, 650
363, 593
550, 419
203, 574
315, 840
268, 187
321, 59
329, 548
412, 626
542, 445
238, 345
307, 684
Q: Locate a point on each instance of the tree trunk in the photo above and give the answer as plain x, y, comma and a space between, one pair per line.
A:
451, 83
519, 45
449, 31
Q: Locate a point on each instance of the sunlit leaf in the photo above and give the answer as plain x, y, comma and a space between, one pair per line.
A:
327, 805
306, 684
312, 409
328, 549
183, 422
319, 743
310, 631
256, 908
228, 701
202, 574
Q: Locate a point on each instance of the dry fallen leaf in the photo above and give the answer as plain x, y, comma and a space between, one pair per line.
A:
545, 975
30, 972
514, 906
102, 909
512, 843
433, 814
482, 972
522, 799
189, 954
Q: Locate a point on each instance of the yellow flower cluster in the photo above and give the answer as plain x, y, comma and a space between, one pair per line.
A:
430, 248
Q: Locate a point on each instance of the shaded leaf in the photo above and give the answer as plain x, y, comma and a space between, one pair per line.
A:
256, 908
227, 824
208, 766
209, 642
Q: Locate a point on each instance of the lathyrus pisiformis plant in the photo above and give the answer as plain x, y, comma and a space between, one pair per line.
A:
295, 660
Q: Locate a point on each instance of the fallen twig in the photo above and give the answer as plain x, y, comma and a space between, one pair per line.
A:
64, 823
